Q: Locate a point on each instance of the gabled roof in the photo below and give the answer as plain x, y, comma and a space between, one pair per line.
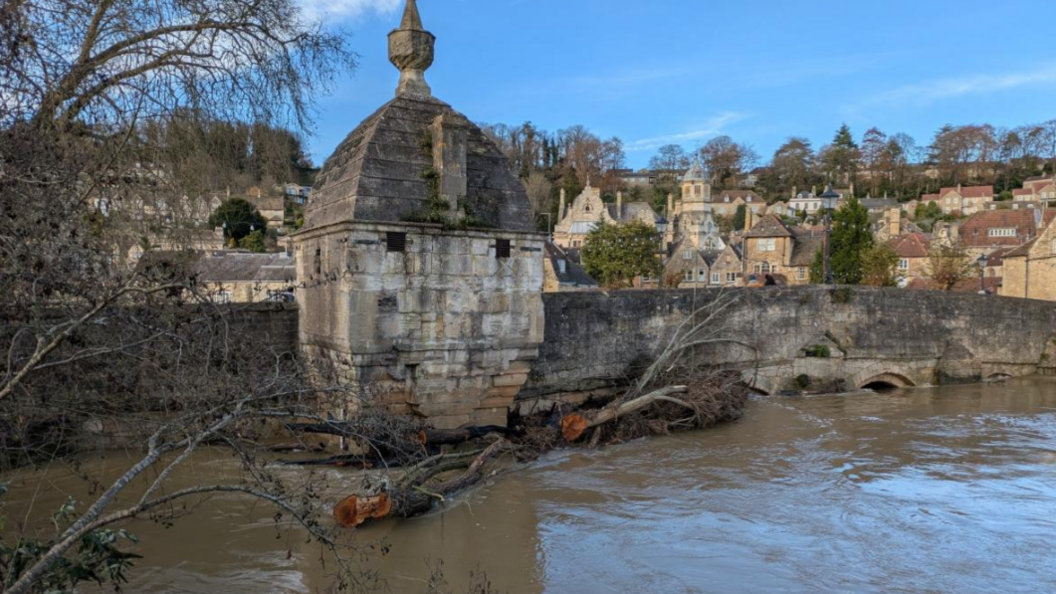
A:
1023, 192
1021, 251
998, 257
929, 197
912, 245
746, 195
769, 226
230, 267
975, 231
970, 191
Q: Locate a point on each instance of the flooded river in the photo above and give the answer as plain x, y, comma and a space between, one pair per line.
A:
947, 490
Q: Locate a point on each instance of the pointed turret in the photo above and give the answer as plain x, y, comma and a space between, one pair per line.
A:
412, 21
411, 51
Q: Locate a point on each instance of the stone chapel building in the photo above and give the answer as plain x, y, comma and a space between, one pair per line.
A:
420, 269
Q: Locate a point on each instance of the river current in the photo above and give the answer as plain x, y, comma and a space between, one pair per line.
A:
944, 490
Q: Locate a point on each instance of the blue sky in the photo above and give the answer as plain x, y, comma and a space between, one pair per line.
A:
682, 71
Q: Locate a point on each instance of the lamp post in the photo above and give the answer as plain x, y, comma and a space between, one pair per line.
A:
827, 271
982, 273
661, 229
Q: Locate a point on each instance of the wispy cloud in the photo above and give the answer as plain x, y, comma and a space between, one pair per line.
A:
348, 9
923, 94
712, 127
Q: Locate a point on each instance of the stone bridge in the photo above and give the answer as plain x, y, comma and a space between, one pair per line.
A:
793, 339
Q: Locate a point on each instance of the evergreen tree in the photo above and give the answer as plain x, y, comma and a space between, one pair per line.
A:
739, 217
616, 254
851, 237
842, 157
239, 218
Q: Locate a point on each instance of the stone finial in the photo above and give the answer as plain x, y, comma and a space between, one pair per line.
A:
411, 51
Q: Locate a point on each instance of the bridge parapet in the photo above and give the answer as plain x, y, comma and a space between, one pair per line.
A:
806, 337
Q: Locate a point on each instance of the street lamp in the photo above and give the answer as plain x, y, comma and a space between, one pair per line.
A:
661, 229
982, 273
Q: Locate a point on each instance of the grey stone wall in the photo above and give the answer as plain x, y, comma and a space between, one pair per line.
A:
445, 329
596, 341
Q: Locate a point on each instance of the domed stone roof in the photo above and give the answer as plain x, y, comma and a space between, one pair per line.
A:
382, 170
695, 173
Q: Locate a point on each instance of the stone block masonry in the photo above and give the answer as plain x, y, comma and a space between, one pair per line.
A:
440, 323
596, 342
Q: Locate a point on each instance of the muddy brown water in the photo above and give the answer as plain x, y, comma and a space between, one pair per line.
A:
946, 490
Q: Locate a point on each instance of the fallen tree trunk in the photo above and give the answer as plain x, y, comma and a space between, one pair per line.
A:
439, 437
412, 495
574, 425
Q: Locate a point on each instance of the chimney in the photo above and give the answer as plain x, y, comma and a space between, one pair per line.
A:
619, 204
795, 191
813, 190
959, 189
561, 206
895, 222
852, 190
748, 222
670, 205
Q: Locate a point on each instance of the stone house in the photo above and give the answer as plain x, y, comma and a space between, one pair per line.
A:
912, 250
772, 248
562, 272
700, 230
779, 209
1042, 188
1029, 271
588, 211
271, 207
243, 277
726, 202
690, 267
812, 203
419, 267
987, 231
965, 201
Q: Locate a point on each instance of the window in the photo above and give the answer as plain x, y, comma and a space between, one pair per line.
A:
726, 199
689, 276
502, 248
318, 260
766, 268
1002, 232
396, 242
801, 273
687, 255
223, 297
903, 264
731, 277
716, 278
768, 245
702, 275
1054, 246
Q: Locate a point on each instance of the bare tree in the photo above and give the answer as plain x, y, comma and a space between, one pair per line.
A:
84, 338
539, 191
948, 266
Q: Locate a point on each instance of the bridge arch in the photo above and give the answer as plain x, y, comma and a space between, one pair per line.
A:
884, 381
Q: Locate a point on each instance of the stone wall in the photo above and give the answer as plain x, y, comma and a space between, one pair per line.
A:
444, 327
594, 342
